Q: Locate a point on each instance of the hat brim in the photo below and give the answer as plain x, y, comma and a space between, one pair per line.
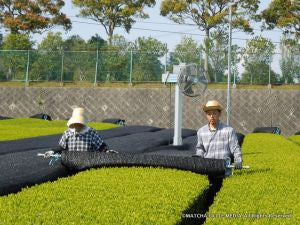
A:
77, 119
207, 108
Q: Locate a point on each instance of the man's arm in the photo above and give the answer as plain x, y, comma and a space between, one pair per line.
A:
98, 143
63, 143
235, 148
199, 147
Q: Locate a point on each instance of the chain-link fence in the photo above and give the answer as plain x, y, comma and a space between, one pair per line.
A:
136, 66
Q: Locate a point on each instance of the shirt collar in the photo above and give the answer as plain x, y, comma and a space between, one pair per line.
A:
214, 129
84, 130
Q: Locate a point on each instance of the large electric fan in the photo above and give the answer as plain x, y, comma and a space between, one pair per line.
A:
189, 81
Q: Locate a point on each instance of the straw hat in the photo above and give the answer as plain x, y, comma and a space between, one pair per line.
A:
77, 117
211, 105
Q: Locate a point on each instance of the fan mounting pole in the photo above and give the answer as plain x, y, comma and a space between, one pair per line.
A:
186, 82
177, 139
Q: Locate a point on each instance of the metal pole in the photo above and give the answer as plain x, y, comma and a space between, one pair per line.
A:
166, 61
96, 70
62, 68
269, 72
229, 65
166, 57
27, 70
177, 140
131, 62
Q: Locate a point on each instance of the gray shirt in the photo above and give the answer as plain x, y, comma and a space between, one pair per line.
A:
218, 144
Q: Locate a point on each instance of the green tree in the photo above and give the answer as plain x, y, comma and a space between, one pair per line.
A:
79, 64
218, 57
15, 57
210, 14
32, 16
48, 58
114, 13
283, 14
257, 59
187, 51
290, 60
146, 55
95, 43
115, 60
1, 40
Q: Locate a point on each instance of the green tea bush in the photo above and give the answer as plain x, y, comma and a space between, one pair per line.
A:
270, 189
106, 196
13, 129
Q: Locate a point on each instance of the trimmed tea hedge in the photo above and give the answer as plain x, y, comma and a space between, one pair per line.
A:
29, 127
106, 196
270, 189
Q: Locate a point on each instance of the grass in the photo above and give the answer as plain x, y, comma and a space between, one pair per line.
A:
295, 138
270, 187
13, 129
125, 84
106, 196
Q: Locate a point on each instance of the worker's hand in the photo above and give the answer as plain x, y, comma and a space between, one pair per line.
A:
48, 154
111, 151
238, 165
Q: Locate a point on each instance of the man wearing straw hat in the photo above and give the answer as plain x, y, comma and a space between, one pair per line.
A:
80, 137
217, 141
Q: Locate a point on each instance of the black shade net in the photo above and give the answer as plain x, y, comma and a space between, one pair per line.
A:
5, 117
127, 130
272, 130
42, 116
138, 146
142, 142
51, 141
28, 144
115, 121
86, 160
22, 169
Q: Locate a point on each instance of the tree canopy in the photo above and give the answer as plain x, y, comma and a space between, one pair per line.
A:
113, 13
257, 61
210, 14
25, 16
283, 14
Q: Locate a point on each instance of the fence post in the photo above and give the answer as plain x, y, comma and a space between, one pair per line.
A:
130, 74
269, 85
27, 70
96, 72
62, 69
166, 60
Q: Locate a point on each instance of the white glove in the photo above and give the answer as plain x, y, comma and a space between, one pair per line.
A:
48, 154
111, 151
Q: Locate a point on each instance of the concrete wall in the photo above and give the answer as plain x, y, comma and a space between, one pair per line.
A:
155, 106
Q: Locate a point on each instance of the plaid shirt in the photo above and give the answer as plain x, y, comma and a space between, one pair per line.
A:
218, 144
87, 140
